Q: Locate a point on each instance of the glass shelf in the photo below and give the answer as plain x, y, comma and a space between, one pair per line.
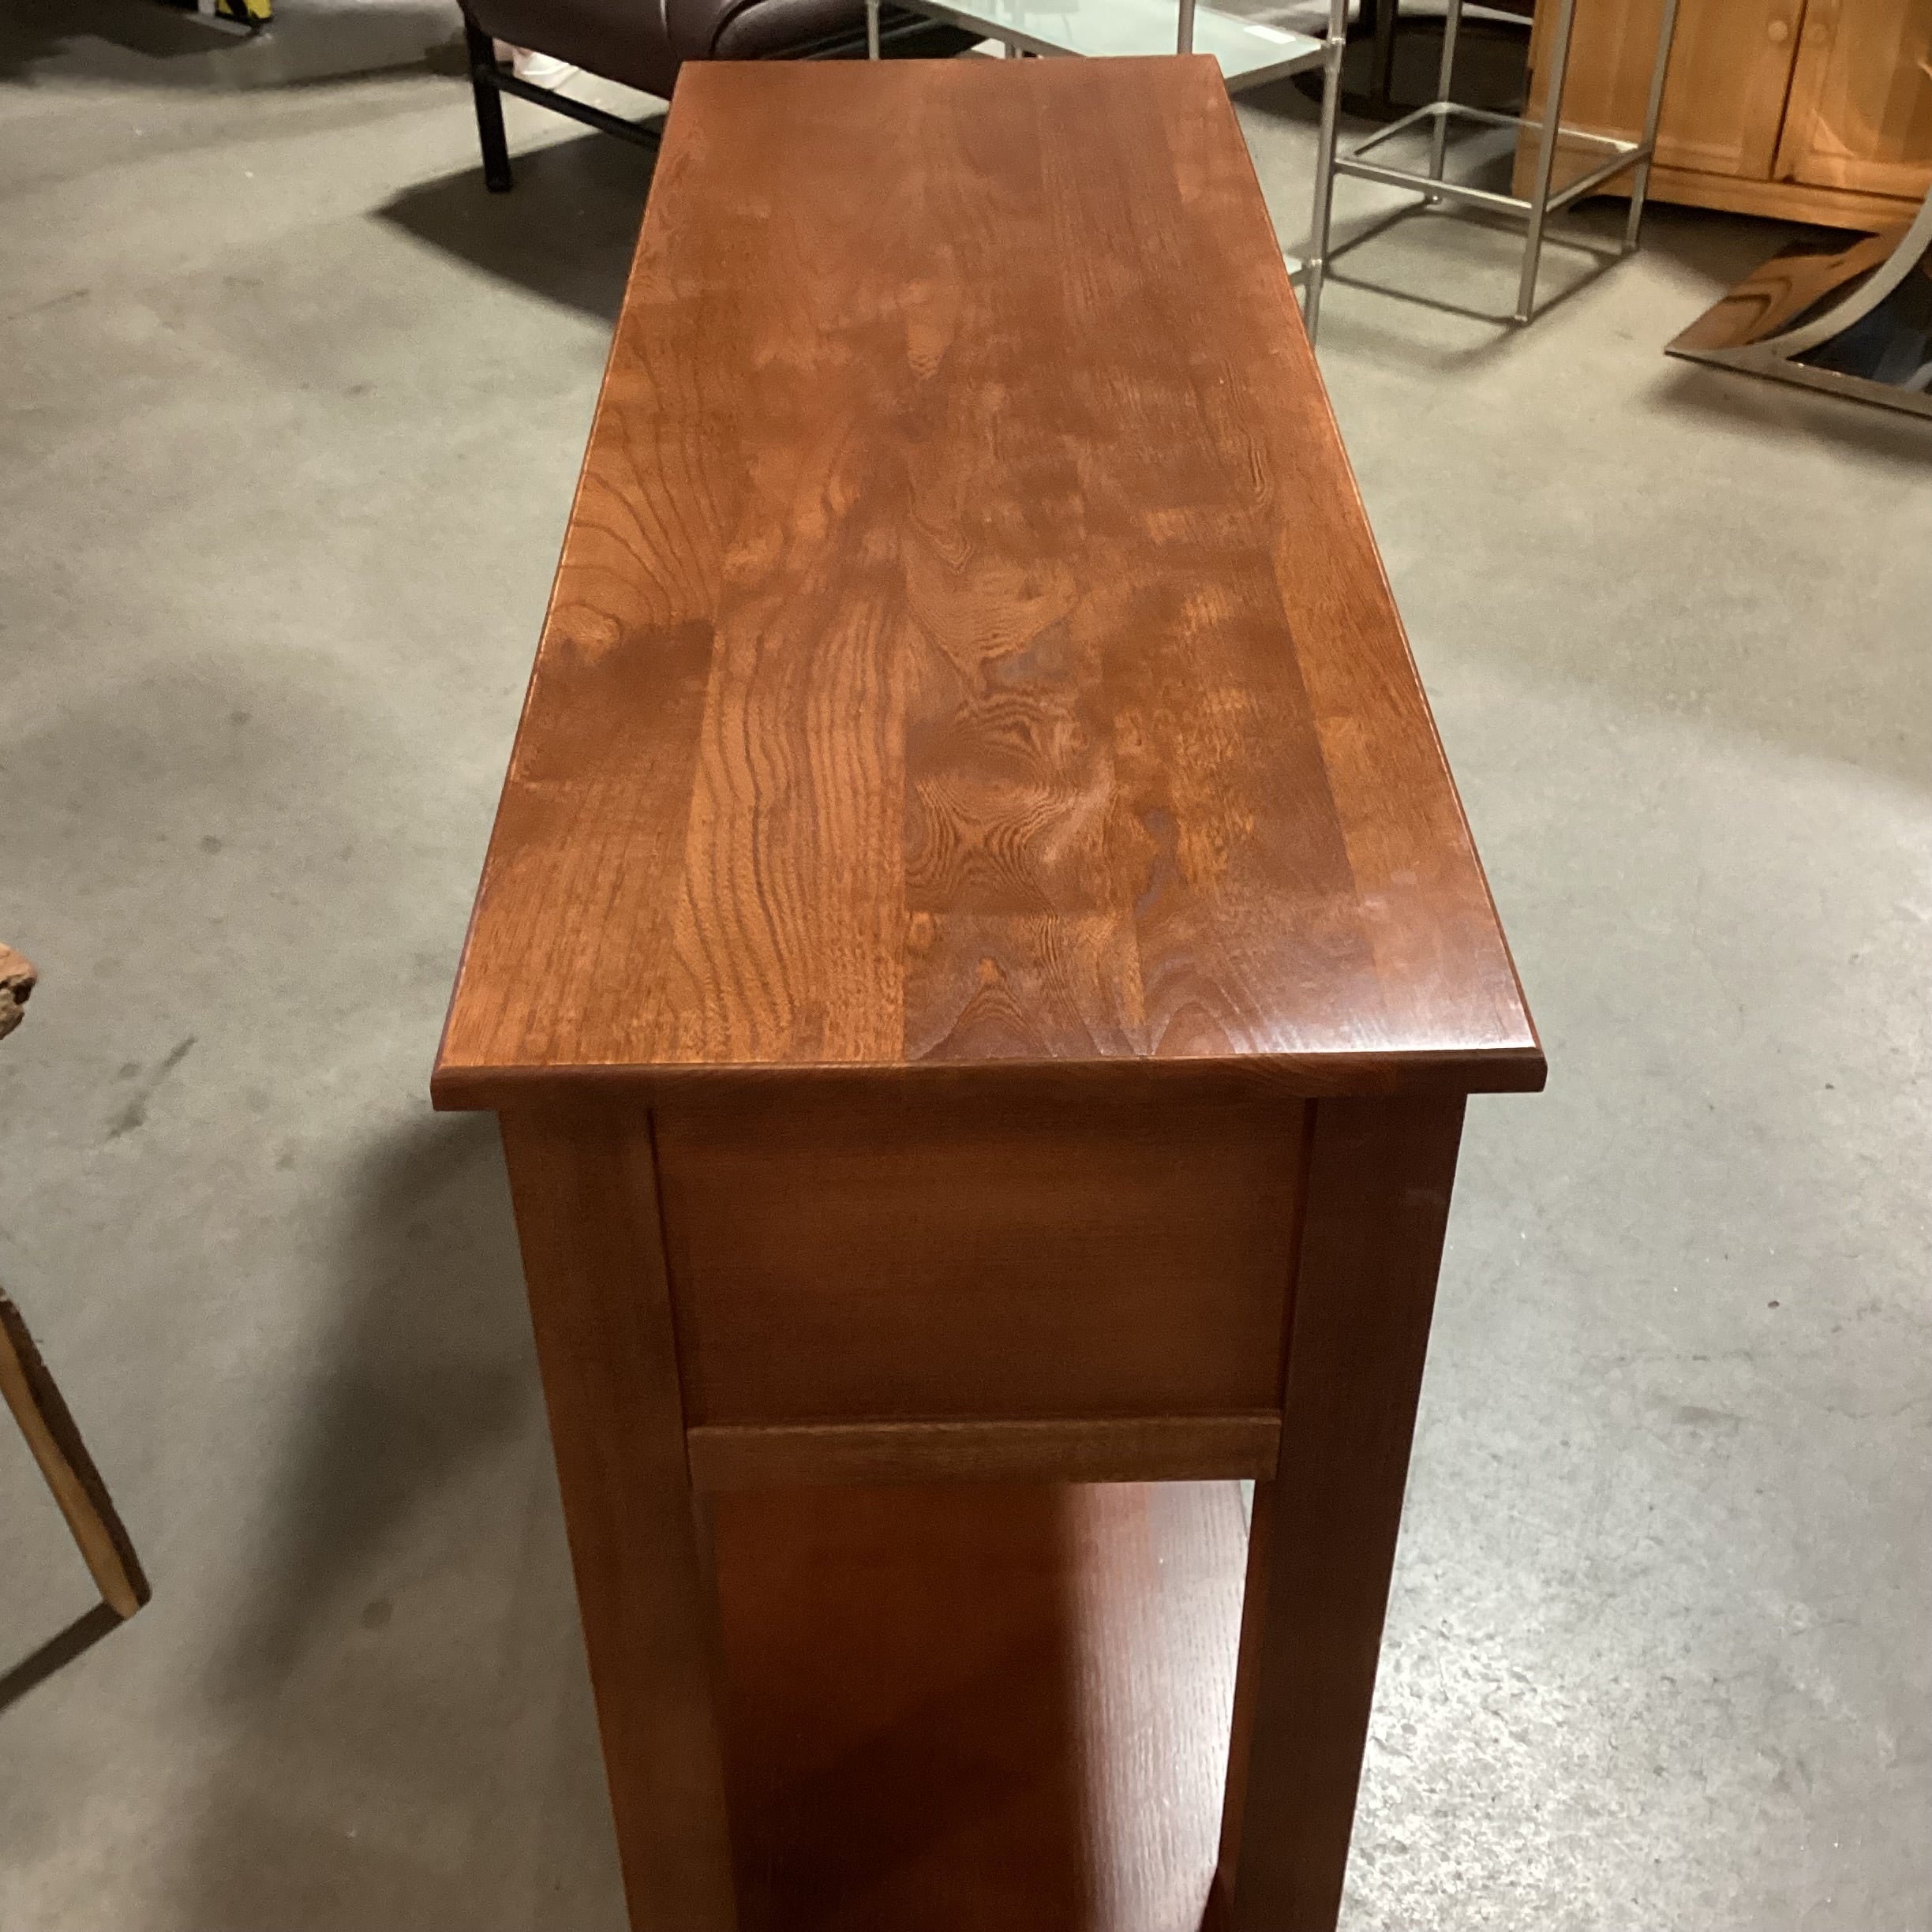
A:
1249, 51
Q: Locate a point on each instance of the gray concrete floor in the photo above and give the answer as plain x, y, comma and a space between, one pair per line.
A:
290, 415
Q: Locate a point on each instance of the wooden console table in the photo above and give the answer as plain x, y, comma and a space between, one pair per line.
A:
979, 965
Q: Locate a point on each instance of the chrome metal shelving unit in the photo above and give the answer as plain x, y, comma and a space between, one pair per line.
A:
1543, 199
1250, 52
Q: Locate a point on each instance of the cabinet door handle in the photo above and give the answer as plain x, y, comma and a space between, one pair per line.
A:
1780, 31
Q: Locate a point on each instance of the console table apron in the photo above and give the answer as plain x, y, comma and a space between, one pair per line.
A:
979, 965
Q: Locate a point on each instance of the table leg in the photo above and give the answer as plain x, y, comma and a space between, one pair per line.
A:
1334, 45
1445, 89
1324, 1537
587, 1206
1653, 114
1546, 158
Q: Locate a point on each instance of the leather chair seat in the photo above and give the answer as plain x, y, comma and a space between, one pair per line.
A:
643, 42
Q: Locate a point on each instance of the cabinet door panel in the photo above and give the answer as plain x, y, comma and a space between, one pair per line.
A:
1861, 100
1730, 71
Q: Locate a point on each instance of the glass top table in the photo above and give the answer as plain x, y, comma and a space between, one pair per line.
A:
1249, 51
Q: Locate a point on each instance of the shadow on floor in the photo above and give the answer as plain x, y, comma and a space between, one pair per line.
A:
34, 30
1865, 432
566, 231
148, 43
60, 1650
412, 1742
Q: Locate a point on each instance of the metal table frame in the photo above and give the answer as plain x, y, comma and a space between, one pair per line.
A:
1540, 203
1759, 327
965, 14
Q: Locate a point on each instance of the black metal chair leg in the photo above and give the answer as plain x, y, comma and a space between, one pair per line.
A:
495, 144
1387, 15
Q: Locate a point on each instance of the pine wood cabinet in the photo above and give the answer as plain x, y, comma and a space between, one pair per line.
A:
1816, 111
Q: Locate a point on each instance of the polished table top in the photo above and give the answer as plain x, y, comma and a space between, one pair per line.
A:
969, 646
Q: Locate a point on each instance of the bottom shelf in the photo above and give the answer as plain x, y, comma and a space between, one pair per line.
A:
979, 1706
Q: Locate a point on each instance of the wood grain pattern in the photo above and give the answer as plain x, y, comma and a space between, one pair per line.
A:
1860, 113
1324, 1539
980, 1706
905, 1260
1777, 200
1106, 1449
1724, 102
969, 647
586, 1210
1770, 301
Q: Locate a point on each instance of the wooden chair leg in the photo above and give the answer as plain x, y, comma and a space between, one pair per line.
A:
49, 1426
1323, 1542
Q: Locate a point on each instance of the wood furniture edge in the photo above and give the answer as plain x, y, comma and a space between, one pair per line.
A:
1288, 1076
1328, 419
1855, 208
1781, 200
726, 1456
527, 703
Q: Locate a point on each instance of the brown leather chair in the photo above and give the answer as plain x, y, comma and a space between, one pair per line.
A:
643, 43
